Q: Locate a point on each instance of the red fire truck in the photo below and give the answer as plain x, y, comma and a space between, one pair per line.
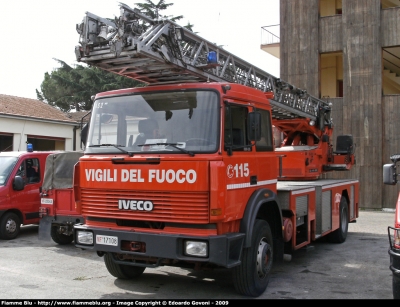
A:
215, 163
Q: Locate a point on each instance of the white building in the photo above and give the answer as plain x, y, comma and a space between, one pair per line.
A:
25, 120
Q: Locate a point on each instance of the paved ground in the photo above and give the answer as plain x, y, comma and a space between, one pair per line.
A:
356, 269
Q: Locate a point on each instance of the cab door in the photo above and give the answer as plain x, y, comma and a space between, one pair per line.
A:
28, 200
250, 165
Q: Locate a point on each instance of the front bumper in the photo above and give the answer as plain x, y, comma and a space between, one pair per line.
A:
394, 253
223, 250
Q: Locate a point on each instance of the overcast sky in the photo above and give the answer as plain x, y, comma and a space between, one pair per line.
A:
36, 31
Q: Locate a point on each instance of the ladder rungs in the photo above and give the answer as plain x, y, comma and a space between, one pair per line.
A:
152, 52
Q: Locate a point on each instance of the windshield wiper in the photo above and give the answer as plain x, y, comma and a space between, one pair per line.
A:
129, 153
174, 145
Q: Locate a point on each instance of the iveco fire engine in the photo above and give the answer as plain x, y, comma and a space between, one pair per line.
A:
215, 163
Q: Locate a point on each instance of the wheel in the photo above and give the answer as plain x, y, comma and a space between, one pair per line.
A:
251, 277
340, 234
60, 238
122, 271
10, 225
396, 287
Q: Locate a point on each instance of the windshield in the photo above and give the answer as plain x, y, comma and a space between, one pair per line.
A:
177, 122
6, 167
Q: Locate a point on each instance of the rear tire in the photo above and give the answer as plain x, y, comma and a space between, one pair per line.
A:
59, 238
340, 234
10, 225
251, 278
122, 271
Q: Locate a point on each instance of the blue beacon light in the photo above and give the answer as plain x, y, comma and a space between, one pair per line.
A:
212, 57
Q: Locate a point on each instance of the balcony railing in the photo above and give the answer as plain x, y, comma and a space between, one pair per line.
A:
270, 35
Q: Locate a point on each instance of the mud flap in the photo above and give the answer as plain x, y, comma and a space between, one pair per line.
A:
45, 229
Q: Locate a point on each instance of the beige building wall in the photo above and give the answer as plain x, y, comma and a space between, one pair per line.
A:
22, 127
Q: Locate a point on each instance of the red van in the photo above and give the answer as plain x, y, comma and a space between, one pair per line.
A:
21, 176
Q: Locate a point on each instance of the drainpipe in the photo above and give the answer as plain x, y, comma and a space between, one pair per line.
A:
74, 138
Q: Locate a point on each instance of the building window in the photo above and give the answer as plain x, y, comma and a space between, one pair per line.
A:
385, 4
330, 7
340, 88
391, 70
42, 143
331, 75
6, 142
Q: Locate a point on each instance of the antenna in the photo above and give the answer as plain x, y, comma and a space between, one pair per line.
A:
22, 133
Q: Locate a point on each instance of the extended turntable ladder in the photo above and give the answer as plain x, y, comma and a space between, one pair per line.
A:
161, 51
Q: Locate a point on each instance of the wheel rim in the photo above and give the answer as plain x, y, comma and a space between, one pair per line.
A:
11, 226
263, 258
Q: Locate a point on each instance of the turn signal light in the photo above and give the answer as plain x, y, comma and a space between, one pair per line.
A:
216, 212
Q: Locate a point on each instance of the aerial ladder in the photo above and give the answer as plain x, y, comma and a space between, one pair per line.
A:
161, 52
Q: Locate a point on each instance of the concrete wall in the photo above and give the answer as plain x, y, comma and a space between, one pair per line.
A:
359, 34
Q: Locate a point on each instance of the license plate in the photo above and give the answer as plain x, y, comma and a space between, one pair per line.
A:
46, 201
106, 240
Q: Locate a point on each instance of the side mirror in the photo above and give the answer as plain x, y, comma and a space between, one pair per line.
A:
84, 134
389, 174
254, 126
18, 183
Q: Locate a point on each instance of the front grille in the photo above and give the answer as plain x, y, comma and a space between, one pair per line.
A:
175, 207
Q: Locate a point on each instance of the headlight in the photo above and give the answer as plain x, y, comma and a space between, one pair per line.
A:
84, 237
196, 248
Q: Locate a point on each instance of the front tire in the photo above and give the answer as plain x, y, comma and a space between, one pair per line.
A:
60, 238
340, 234
10, 225
251, 278
121, 271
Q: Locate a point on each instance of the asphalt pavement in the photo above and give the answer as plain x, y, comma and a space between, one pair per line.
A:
356, 269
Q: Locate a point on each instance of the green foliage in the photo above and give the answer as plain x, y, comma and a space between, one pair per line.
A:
71, 88
189, 26
152, 9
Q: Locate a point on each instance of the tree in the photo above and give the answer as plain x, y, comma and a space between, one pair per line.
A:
152, 10
72, 88
189, 26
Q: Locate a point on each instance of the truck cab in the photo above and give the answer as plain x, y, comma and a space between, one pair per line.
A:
21, 176
390, 177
